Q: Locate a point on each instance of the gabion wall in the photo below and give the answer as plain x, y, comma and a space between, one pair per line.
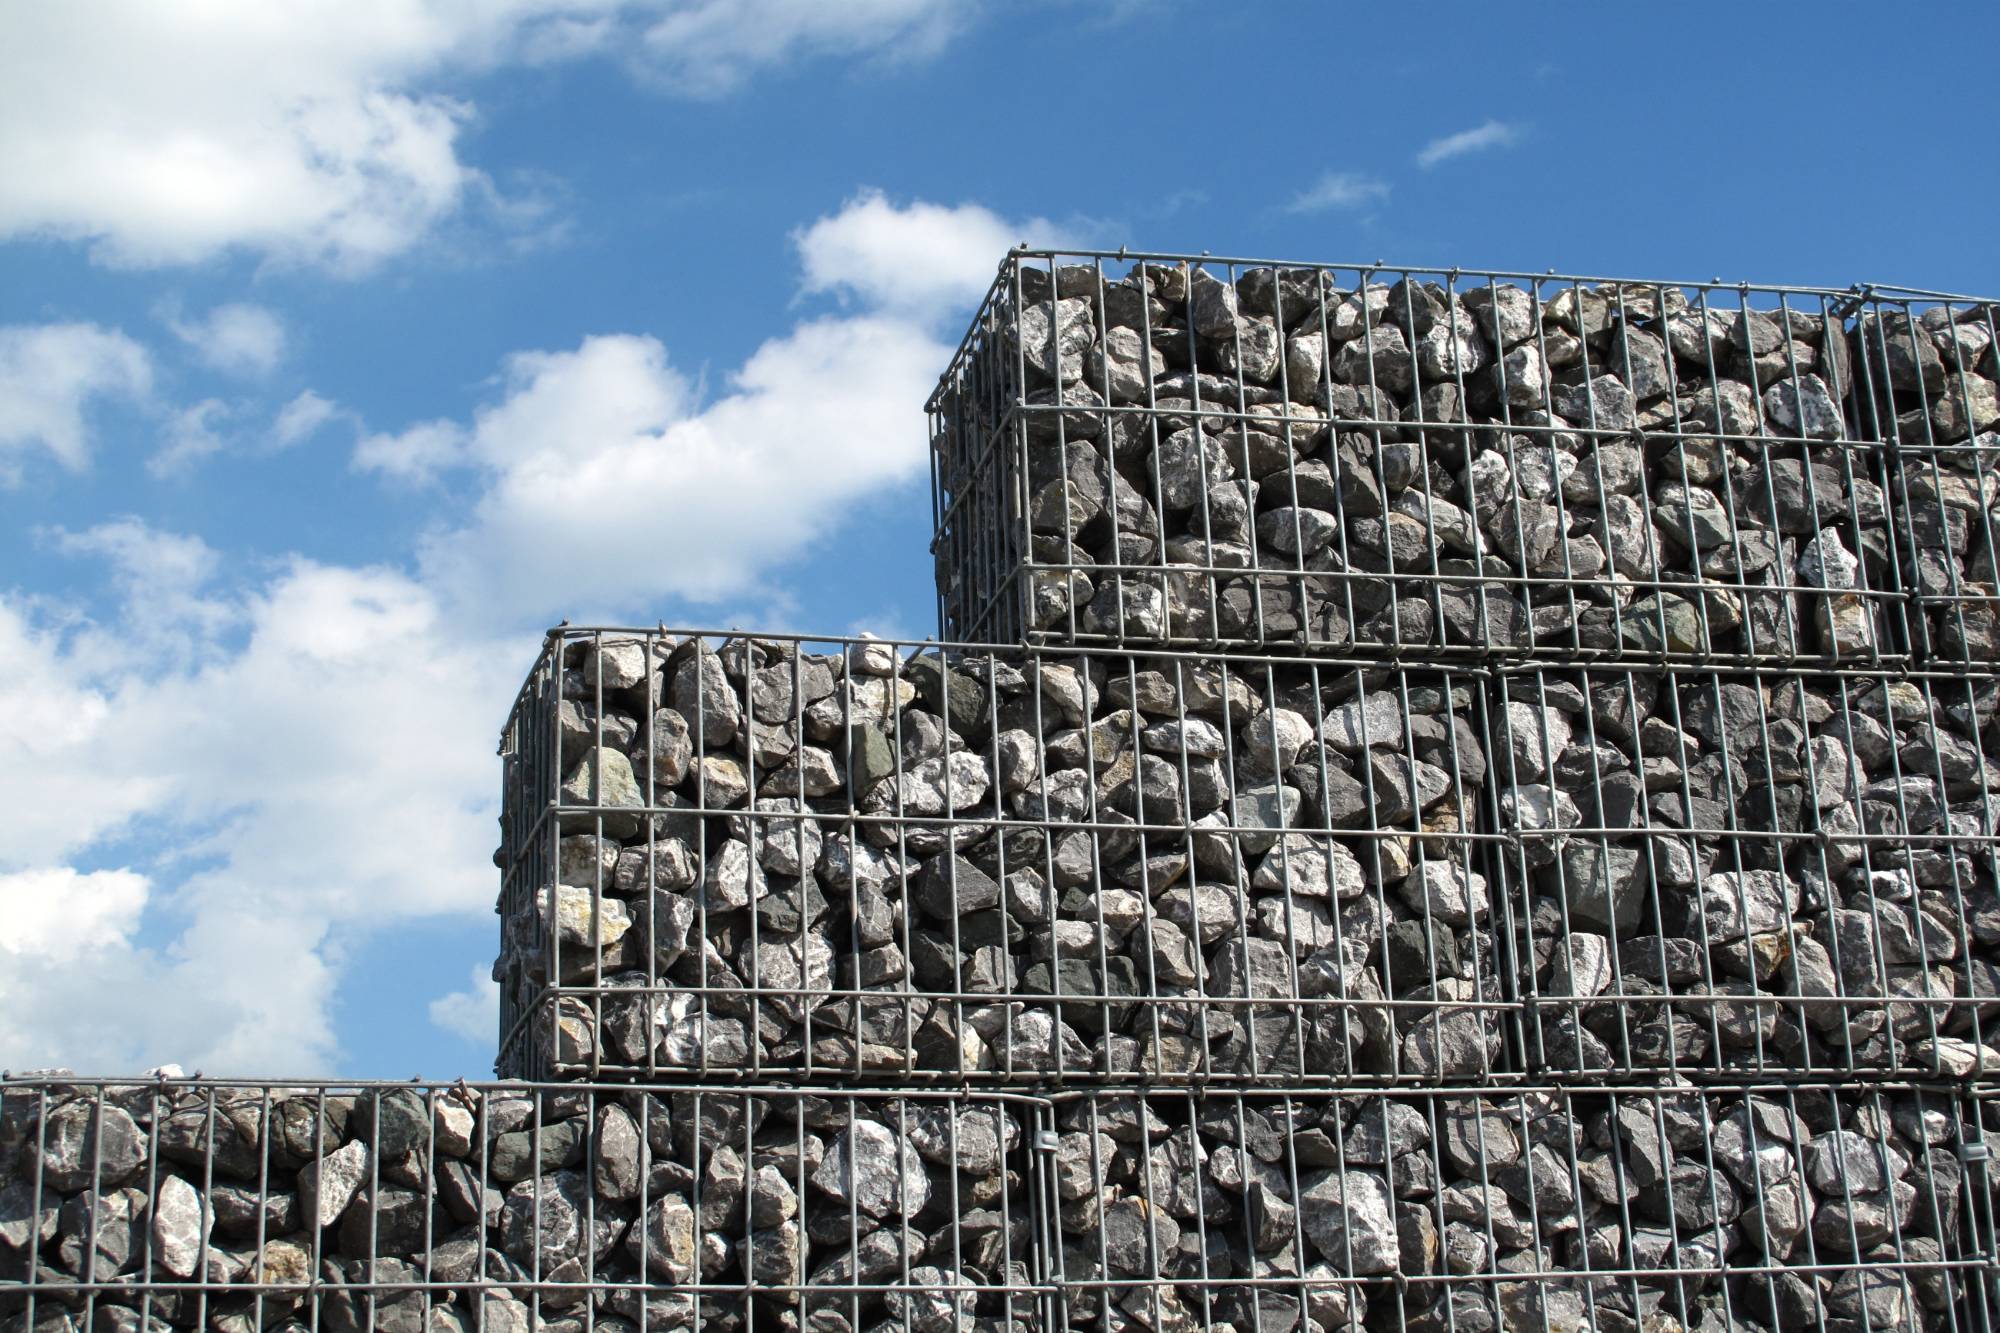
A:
1148, 448
1472, 807
861, 859
434, 1208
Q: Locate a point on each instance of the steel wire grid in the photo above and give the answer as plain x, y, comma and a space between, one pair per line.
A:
1149, 448
994, 866
1757, 872
1785, 1207
1929, 375
241, 1206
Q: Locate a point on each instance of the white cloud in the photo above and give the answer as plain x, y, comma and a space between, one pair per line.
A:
589, 451
604, 481
237, 339
161, 132
301, 419
416, 455
58, 913
325, 769
1492, 134
49, 375
917, 258
1339, 190
709, 47
193, 434
306, 757
472, 1013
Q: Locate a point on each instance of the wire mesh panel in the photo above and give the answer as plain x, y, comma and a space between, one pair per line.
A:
1663, 1209
1770, 872
184, 1204
865, 859
1223, 452
1932, 388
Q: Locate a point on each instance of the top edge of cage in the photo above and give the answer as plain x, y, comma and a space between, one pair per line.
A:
1231, 657
1861, 290
567, 633
1053, 1093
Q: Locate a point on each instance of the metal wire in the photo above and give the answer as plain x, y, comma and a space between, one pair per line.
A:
1763, 873
1929, 376
1183, 449
239, 1204
248, 1205
1781, 1207
750, 859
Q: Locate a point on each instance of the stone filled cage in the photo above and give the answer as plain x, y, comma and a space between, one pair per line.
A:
1773, 1208
176, 1203
1767, 873
235, 1206
774, 857
1934, 378
1148, 447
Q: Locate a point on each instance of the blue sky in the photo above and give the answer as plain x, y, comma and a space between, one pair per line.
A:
344, 346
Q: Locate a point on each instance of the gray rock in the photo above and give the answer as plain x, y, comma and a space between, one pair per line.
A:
870, 1167
86, 1146
1348, 1216
182, 1221
328, 1185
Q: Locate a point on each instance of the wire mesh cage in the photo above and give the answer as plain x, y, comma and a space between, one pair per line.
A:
779, 857
1768, 872
433, 1208
1932, 389
1779, 1208
1148, 448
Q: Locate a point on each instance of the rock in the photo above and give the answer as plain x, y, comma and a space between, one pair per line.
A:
869, 1166
702, 694
328, 1185
86, 1146
182, 1221
1347, 1216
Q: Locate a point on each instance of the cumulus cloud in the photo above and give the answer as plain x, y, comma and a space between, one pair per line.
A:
918, 258
193, 433
301, 419
340, 777
709, 47
58, 913
162, 132
587, 449
1491, 134
472, 1013
237, 338
339, 780
1339, 191
50, 374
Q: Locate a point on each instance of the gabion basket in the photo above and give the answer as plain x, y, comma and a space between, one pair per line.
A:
1666, 1208
1765, 873
1150, 448
1933, 392
864, 860
239, 1206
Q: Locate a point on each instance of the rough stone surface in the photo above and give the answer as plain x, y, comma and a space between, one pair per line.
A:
654, 1191
1755, 872
1437, 463
1204, 869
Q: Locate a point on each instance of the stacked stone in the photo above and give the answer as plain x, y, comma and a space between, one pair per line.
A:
868, 861
1702, 541
1768, 874
1384, 462
447, 1209
1934, 386
1626, 1210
